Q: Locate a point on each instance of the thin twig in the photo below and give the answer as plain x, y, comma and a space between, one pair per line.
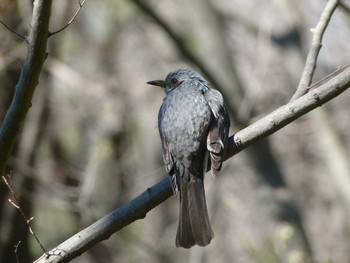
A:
328, 77
13, 31
70, 21
16, 249
28, 221
310, 64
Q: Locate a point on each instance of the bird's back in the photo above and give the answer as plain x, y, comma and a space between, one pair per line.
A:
183, 121
193, 122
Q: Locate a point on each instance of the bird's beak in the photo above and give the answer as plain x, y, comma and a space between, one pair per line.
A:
159, 83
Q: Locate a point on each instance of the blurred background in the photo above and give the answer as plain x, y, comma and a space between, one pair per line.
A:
90, 142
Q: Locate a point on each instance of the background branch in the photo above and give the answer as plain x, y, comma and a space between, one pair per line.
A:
138, 207
188, 54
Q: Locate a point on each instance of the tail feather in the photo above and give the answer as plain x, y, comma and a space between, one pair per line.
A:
194, 225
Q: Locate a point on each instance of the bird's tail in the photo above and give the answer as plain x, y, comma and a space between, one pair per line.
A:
194, 226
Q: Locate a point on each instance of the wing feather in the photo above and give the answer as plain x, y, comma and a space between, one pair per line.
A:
218, 130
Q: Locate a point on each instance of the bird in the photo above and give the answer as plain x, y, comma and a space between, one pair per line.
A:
193, 125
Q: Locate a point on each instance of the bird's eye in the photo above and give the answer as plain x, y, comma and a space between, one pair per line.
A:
175, 82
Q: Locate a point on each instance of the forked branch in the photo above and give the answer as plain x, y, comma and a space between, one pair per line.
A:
311, 60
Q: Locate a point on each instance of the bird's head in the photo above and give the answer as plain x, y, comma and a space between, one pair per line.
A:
179, 78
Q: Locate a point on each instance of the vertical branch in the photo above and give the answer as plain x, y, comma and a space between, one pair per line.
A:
310, 64
28, 80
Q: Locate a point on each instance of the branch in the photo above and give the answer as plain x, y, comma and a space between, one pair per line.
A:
70, 21
28, 80
288, 113
138, 207
310, 64
16, 250
17, 205
12, 31
111, 223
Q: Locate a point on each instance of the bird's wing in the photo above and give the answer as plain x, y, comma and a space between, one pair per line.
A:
218, 130
167, 157
169, 163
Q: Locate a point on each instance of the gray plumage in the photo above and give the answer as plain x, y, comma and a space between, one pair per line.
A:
193, 123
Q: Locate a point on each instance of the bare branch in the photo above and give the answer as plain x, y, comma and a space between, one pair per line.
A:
12, 31
310, 64
70, 21
138, 207
8, 183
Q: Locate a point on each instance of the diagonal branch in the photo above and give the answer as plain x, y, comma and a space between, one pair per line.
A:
310, 64
111, 223
141, 205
